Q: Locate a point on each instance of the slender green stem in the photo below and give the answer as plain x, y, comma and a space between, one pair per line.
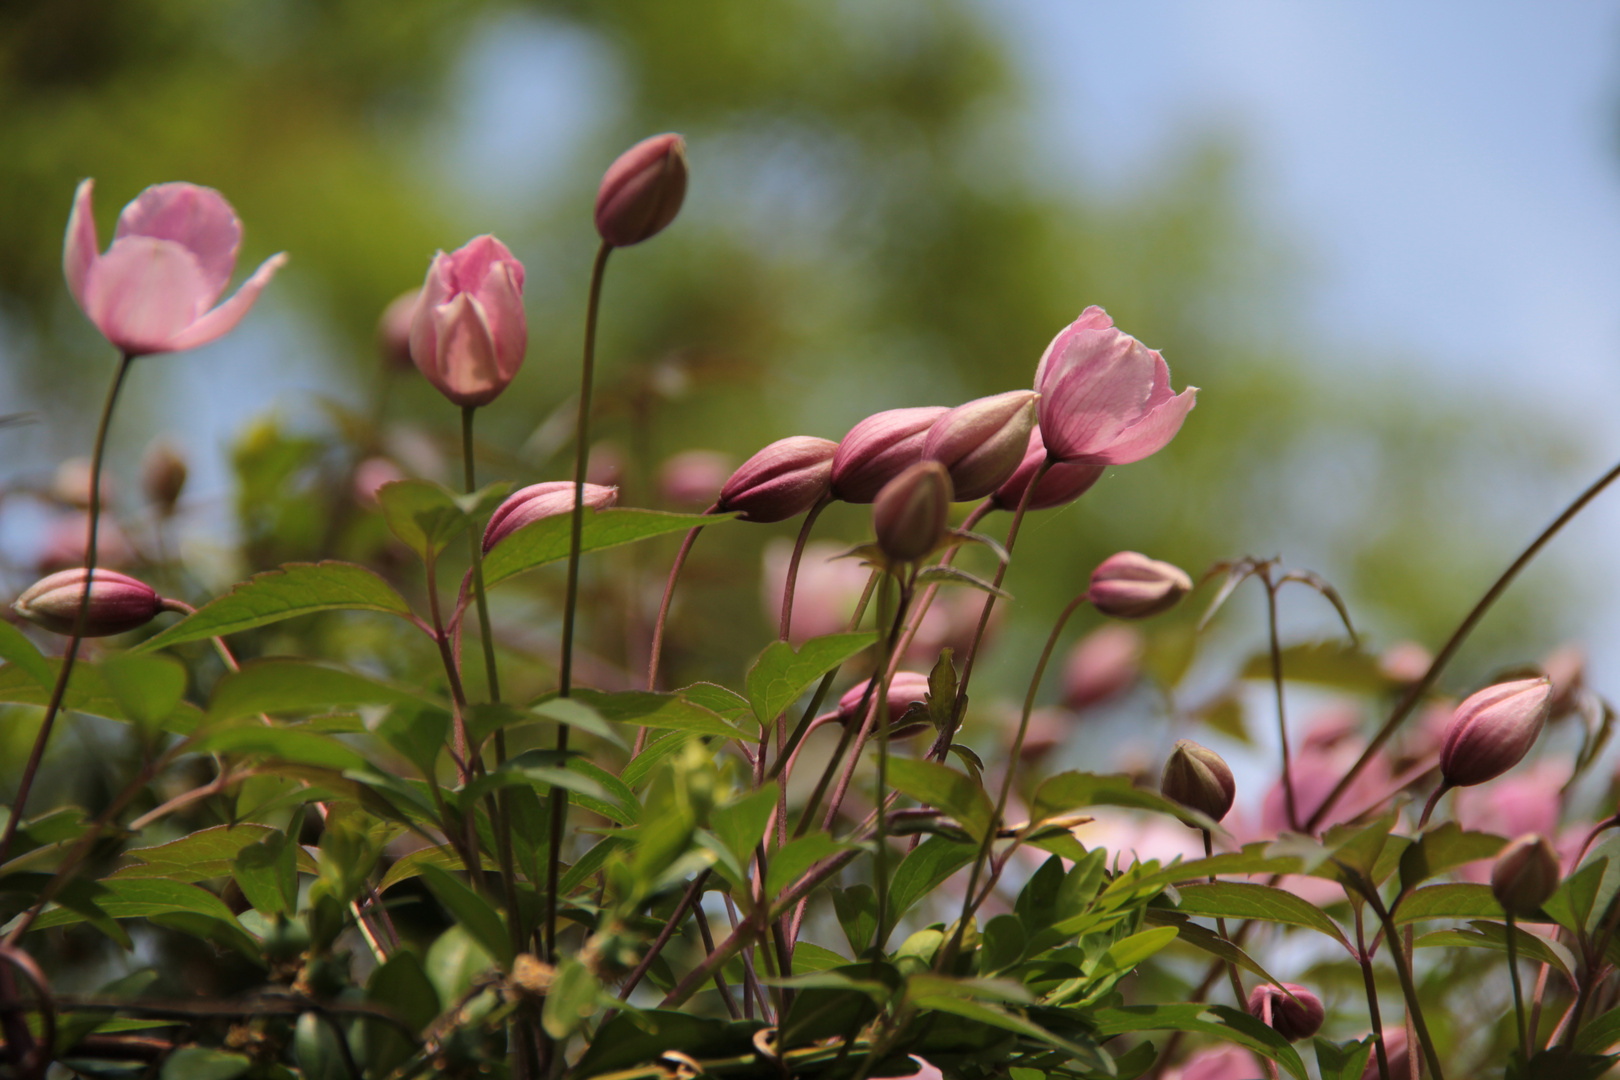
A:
793, 566
1415, 692
656, 653
1518, 992
1220, 925
881, 707
784, 753
1364, 959
20, 804
1414, 1007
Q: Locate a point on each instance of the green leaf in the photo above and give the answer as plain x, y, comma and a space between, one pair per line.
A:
1126, 953
1342, 1061
137, 898
1329, 663
782, 674
424, 515
1489, 935
267, 873
954, 792
571, 1000
935, 992
741, 825
1451, 901
315, 1047
87, 693
790, 862
667, 711
1069, 791
417, 732
285, 685
629, 1039
546, 541
1208, 940
409, 866
400, 985
1001, 944
622, 806
251, 738
17, 650
1571, 906
856, 908
1442, 848
923, 870
147, 688
809, 958
202, 1063
1217, 1020
1600, 1034
472, 912
726, 704
454, 961
294, 589
206, 853
579, 715
953, 575
1250, 900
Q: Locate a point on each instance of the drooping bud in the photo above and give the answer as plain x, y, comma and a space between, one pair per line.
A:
906, 689
880, 448
118, 603
1294, 1018
694, 477
1130, 585
163, 476
394, 330
1492, 730
982, 442
782, 481
1102, 664
909, 514
528, 505
1525, 875
642, 191
1199, 779
1061, 484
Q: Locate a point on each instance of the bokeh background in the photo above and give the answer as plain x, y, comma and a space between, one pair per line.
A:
1381, 239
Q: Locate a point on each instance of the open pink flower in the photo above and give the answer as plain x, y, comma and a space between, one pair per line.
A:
469, 332
1105, 397
171, 257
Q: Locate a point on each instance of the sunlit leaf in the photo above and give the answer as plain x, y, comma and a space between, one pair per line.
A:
782, 674
546, 541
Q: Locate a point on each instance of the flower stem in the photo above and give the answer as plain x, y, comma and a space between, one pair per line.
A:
784, 752
1414, 1008
881, 708
1518, 993
30, 770
657, 651
1277, 681
793, 566
1365, 960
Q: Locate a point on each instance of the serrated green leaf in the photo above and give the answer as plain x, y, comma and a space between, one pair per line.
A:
955, 575
782, 674
292, 590
546, 541
1251, 900
87, 693
729, 705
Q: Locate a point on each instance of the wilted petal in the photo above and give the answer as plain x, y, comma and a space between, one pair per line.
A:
197, 218
143, 292
80, 248
223, 319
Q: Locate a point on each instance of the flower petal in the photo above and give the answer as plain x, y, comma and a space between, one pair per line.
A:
143, 292
1147, 437
1093, 318
465, 366
223, 319
80, 248
1096, 386
197, 218
501, 295
473, 259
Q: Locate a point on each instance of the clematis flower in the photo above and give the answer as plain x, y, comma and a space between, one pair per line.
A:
154, 289
1105, 397
469, 332
642, 191
880, 448
118, 602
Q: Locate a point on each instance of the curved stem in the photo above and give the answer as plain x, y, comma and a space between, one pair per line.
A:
881, 708
663, 615
37, 754
1290, 799
1415, 692
793, 566
1414, 1008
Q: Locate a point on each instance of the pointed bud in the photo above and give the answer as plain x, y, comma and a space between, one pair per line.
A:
118, 603
1062, 483
880, 448
1525, 875
1132, 586
642, 191
909, 514
1492, 730
394, 330
1294, 1018
163, 476
1199, 779
782, 481
982, 442
528, 505
906, 689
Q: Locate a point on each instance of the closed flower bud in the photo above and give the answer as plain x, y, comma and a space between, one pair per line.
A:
1294, 1018
880, 448
1103, 663
642, 191
394, 330
782, 481
1197, 778
1132, 586
528, 505
1061, 484
982, 442
469, 331
1492, 730
1525, 875
906, 689
163, 476
909, 514
118, 603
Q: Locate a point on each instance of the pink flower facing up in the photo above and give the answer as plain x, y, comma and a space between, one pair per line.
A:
880, 448
642, 191
528, 505
469, 332
118, 603
1492, 730
1105, 397
172, 255
1063, 483
782, 481
982, 442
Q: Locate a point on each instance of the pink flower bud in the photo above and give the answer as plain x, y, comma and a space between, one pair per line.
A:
1395, 1051
1294, 1018
1132, 586
469, 331
909, 514
694, 477
528, 505
642, 191
906, 689
782, 481
1105, 397
370, 475
880, 448
1492, 730
1220, 1063
394, 330
982, 442
1525, 875
1199, 779
163, 476
1103, 663
1061, 484
118, 603
153, 290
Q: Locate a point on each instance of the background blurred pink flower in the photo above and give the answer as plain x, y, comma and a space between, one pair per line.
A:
1102, 664
828, 587
693, 478
1218, 1063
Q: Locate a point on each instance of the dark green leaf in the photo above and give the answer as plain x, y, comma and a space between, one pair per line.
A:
922, 871
1452, 901
741, 825
546, 541
206, 853
315, 1046
729, 705
1571, 906
856, 908
666, 711
267, 873
1208, 940
418, 733
1001, 944
400, 985
87, 693
202, 1063
1075, 791
628, 1040
1489, 935
938, 785
135, 898
1250, 900
1597, 1036
1560, 1063
782, 674
788, 864
1343, 1061
472, 911
252, 738
286, 685
936, 992
1442, 848
148, 688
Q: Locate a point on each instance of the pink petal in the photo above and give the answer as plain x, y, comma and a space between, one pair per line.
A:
466, 367
223, 319
502, 298
1152, 434
80, 248
143, 292
1097, 386
474, 258
197, 218
1093, 318
437, 288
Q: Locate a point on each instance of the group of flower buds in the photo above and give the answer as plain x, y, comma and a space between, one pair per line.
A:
118, 603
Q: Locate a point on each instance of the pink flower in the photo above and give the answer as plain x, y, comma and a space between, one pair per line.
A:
1102, 664
1218, 1063
1062, 483
827, 590
469, 332
1105, 397
172, 255
528, 505
642, 191
880, 448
